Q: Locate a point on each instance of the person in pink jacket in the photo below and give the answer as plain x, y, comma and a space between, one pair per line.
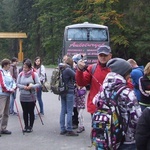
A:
85, 76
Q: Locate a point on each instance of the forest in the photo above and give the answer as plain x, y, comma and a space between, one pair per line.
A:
44, 21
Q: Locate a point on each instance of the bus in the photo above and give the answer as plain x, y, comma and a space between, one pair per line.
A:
85, 38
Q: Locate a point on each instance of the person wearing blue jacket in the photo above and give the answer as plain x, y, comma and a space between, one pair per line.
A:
7, 86
136, 73
67, 99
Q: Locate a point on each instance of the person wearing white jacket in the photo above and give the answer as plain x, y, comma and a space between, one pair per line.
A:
7, 86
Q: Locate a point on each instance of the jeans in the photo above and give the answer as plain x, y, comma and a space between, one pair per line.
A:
12, 100
67, 102
127, 147
39, 97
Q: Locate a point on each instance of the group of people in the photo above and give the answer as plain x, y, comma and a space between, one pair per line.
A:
109, 73
28, 81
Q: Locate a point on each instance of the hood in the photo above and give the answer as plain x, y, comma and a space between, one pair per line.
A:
113, 81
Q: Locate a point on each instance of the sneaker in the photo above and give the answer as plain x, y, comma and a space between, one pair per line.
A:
5, 132
80, 129
63, 132
29, 129
71, 133
14, 113
25, 129
74, 126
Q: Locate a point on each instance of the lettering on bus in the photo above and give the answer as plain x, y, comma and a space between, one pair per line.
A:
95, 45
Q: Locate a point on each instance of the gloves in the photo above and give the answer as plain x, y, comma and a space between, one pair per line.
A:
81, 65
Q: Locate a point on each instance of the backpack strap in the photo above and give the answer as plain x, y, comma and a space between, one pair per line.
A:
33, 75
93, 68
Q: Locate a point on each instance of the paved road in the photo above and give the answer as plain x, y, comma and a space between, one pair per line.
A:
45, 137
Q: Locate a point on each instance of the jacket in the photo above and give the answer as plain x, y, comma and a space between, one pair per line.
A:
24, 80
68, 75
95, 79
144, 86
135, 75
142, 135
7, 83
127, 102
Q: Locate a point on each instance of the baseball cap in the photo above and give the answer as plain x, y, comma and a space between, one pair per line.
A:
104, 49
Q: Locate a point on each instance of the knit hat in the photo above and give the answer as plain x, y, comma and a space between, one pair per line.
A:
119, 66
104, 49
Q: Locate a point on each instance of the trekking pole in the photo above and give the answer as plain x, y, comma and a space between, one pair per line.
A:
36, 108
19, 116
38, 113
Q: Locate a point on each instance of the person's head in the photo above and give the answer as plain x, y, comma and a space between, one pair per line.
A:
14, 60
120, 66
37, 61
68, 60
27, 65
65, 58
147, 69
104, 54
5, 64
133, 63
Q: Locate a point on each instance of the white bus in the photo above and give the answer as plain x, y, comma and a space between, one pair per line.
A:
84, 39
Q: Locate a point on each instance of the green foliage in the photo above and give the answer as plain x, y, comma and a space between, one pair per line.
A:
44, 22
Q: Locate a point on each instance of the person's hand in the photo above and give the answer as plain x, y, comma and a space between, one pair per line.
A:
81, 65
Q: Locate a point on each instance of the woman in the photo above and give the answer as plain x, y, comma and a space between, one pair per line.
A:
40, 69
144, 87
7, 86
28, 81
67, 99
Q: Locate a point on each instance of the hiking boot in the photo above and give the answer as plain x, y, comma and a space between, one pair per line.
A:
80, 129
71, 133
63, 132
5, 132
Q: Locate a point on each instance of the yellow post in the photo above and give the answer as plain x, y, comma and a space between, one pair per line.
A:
20, 54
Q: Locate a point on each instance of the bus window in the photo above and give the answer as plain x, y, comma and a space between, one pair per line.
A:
98, 35
77, 35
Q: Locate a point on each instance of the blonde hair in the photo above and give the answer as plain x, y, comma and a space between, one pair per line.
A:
69, 61
147, 69
132, 62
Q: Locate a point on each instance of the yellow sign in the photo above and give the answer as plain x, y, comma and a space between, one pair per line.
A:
12, 35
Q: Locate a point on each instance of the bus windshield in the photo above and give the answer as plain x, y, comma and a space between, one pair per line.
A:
85, 38
87, 34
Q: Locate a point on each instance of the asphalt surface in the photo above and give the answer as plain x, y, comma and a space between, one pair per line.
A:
45, 137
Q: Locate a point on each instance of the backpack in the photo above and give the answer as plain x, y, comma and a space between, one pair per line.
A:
57, 85
107, 125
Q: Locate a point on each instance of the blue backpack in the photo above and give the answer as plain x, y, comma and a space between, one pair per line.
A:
107, 125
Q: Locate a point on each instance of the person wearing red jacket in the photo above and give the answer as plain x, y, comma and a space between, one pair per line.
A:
85, 76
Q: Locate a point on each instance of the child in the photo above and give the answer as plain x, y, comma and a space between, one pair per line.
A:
80, 93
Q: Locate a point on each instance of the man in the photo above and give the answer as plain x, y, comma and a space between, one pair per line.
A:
13, 72
137, 72
83, 78
8, 86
